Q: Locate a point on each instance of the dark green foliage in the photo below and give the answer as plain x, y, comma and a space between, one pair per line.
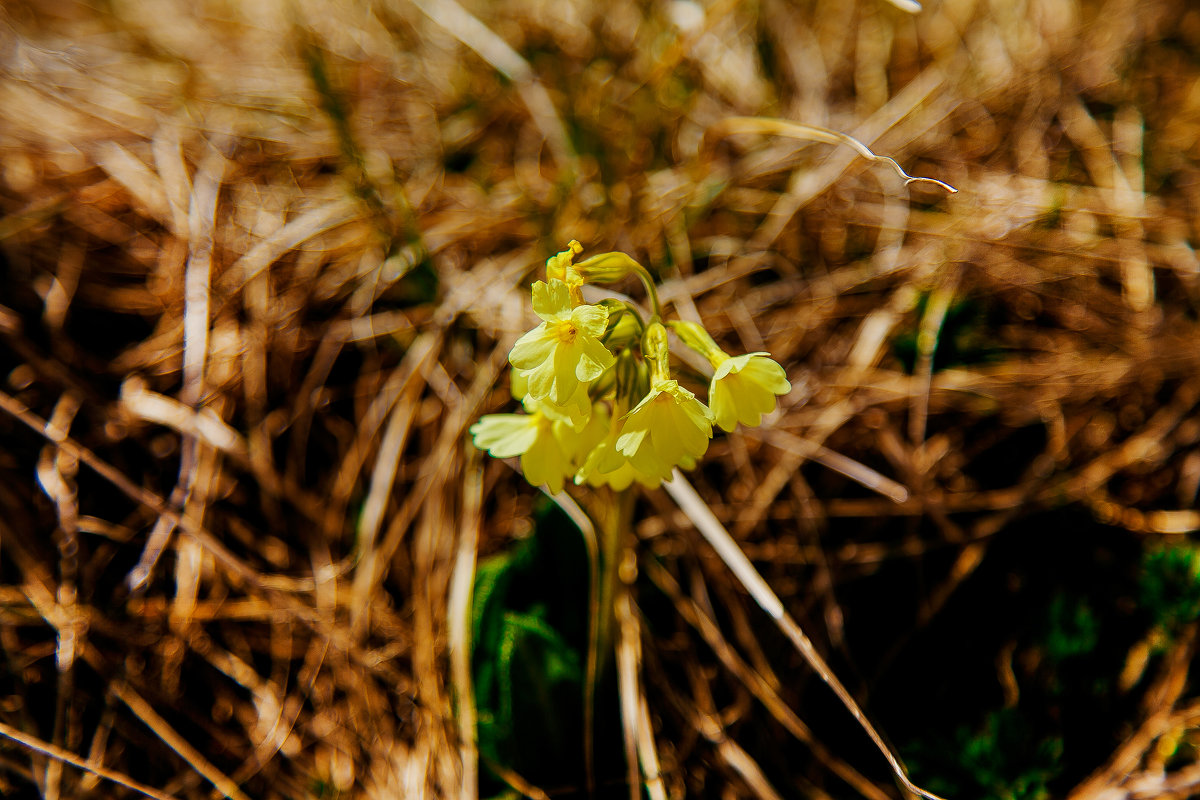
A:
1001, 758
965, 336
419, 284
529, 632
1169, 589
1033, 704
1073, 620
1072, 627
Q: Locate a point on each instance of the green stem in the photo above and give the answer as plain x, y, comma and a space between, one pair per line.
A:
615, 522
614, 517
648, 281
609, 267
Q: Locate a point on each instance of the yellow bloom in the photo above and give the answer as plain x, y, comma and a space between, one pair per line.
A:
743, 389
565, 350
506, 435
536, 438
575, 412
605, 465
561, 266
668, 427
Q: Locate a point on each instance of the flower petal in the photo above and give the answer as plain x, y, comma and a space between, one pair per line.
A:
768, 374
721, 401
533, 348
669, 427
565, 382
505, 435
743, 388
551, 301
594, 358
545, 462
592, 320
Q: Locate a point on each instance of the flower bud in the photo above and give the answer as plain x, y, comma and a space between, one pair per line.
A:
654, 350
607, 267
697, 338
560, 266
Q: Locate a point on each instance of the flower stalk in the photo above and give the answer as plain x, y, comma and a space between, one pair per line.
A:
603, 408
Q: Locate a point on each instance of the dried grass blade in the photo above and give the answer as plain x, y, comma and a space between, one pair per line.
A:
137, 178
172, 171
57, 753
197, 277
383, 478
220, 553
715, 534
205, 425
469, 30
56, 473
138, 705
515, 781
648, 753
741, 762
854, 470
628, 658
695, 616
927, 341
458, 610
591, 669
320, 219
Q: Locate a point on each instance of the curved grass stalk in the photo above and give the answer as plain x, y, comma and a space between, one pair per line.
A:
812, 133
911, 6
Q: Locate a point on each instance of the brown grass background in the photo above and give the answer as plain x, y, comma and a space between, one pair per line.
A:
262, 263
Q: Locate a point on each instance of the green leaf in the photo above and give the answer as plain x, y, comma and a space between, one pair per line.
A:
530, 625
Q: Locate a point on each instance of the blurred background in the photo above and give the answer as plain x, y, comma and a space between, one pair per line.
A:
261, 264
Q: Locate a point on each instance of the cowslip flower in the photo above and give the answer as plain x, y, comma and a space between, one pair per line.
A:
575, 412
565, 350
604, 465
668, 428
536, 438
743, 388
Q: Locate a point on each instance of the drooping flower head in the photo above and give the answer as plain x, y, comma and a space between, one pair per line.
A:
743, 388
667, 428
604, 465
533, 438
561, 267
607, 466
551, 450
565, 350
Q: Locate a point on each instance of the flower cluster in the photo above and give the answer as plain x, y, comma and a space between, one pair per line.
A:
600, 404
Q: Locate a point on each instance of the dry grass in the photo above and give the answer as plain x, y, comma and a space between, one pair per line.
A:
262, 264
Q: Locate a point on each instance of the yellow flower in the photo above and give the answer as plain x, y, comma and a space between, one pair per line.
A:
565, 350
605, 465
668, 427
575, 412
743, 389
536, 438
561, 266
